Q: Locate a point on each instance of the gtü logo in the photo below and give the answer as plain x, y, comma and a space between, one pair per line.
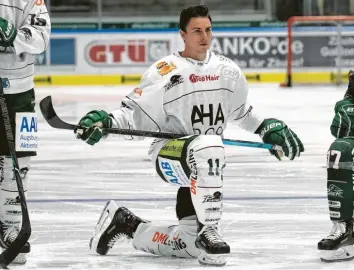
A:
116, 52
205, 78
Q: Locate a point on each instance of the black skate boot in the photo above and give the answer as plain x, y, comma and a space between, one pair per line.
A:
7, 236
123, 223
338, 245
212, 247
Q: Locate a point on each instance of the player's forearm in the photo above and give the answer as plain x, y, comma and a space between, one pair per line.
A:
249, 120
32, 39
120, 119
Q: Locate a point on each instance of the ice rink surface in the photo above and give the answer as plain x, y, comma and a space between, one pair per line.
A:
274, 212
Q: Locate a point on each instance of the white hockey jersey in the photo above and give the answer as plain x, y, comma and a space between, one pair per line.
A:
184, 96
32, 22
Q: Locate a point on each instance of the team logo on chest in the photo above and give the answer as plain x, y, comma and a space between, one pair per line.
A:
174, 80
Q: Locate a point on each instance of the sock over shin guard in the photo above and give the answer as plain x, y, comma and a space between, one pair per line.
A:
207, 160
340, 177
10, 208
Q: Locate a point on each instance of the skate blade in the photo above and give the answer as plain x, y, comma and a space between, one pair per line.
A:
345, 253
107, 213
211, 259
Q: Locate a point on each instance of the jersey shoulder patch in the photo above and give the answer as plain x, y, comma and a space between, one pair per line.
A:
165, 66
160, 69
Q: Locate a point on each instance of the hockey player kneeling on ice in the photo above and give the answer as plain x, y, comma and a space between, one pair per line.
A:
338, 245
24, 32
195, 92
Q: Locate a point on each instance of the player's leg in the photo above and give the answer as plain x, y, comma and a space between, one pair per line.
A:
338, 245
168, 240
120, 223
10, 208
22, 124
195, 165
171, 240
206, 158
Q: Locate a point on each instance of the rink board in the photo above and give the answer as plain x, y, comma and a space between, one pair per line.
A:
116, 79
117, 57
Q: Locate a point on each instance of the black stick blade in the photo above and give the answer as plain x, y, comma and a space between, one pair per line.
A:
46, 107
49, 114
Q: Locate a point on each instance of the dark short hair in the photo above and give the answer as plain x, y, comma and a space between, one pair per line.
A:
192, 12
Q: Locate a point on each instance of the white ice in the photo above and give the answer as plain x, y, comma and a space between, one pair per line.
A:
274, 214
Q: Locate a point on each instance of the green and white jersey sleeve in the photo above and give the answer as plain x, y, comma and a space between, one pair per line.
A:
31, 19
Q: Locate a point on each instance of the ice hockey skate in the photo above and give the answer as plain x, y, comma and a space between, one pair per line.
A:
7, 236
114, 224
338, 245
212, 248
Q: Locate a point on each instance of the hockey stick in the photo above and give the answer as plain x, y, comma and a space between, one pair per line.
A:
16, 246
54, 121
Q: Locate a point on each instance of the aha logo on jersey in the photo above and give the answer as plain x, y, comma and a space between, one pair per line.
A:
123, 52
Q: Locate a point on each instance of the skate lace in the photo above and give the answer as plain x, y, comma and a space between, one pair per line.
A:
338, 229
212, 235
121, 235
114, 239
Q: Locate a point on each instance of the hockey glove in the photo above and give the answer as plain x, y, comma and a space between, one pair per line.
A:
342, 125
277, 132
8, 33
91, 126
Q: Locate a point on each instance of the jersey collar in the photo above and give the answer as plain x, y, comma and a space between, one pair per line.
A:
196, 62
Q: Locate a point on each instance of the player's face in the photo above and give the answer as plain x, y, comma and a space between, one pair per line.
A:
198, 34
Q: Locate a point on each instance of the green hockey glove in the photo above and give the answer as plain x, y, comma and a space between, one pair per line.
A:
91, 126
8, 33
274, 131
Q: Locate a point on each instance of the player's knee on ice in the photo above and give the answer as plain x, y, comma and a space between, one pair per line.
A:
176, 240
340, 175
